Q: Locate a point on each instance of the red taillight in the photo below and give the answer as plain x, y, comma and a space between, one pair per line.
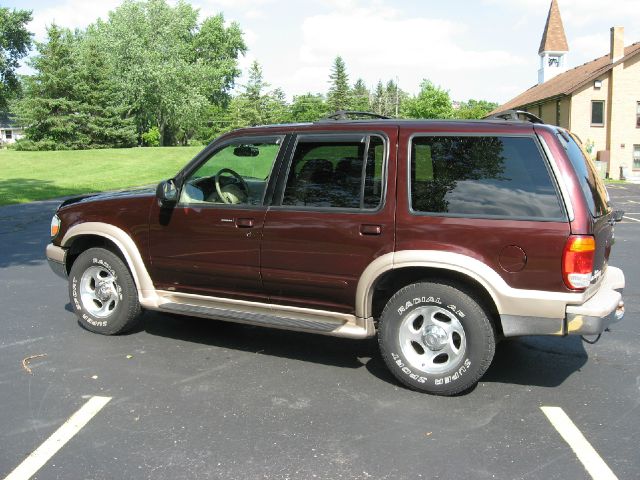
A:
577, 261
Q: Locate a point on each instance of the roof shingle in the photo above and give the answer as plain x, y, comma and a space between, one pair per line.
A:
553, 38
569, 81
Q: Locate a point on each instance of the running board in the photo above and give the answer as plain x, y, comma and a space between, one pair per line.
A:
267, 315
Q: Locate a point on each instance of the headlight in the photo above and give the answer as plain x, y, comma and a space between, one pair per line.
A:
55, 226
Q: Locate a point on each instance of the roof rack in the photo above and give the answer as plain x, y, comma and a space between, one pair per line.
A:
515, 116
347, 114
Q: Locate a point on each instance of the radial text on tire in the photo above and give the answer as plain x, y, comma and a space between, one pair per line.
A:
103, 293
436, 338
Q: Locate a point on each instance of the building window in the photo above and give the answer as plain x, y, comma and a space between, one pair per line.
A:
597, 113
636, 157
638, 115
7, 134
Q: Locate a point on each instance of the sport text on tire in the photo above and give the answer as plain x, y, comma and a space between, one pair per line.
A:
434, 337
103, 293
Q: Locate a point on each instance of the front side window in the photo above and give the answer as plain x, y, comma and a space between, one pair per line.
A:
486, 176
597, 113
636, 157
236, 174
336, 172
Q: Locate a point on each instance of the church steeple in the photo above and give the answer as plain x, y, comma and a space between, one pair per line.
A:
553, 46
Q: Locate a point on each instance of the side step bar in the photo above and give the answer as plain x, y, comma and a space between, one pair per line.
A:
267, 315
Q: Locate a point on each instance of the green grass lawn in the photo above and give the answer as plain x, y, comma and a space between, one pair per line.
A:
29, 176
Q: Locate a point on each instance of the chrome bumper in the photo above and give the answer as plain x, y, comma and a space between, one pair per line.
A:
601, 310
57, 260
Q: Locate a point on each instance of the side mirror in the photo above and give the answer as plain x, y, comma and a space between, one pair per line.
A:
617, 215
167, 193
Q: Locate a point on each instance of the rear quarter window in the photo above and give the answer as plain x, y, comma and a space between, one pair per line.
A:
593, 189
482, 176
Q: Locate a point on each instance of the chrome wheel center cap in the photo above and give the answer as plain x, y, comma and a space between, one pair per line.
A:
103, 292
435, 338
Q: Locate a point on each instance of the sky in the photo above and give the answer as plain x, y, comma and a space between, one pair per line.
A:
481, 49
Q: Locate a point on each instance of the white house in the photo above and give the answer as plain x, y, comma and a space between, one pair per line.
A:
9, 131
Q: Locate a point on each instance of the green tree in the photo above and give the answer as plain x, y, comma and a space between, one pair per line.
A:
394, 98
359, 97
108, 123
15, 42
256, 106
474, 109
379, 99
308, 108
431, 102
338, 97
54, 115
278, 110
170, 68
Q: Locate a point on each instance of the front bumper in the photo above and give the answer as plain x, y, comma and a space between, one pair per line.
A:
57, 260
601, 310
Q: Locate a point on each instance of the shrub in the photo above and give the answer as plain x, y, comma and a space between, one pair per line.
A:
152, 137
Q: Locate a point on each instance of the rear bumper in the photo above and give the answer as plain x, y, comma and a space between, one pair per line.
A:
56, 257
601, 310
591, 317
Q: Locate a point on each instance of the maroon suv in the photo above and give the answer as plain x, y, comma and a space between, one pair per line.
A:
438, 236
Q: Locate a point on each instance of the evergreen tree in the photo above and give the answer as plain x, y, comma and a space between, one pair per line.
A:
359, 97
54, 115
108, 125
338, 97
392, 96
379, 99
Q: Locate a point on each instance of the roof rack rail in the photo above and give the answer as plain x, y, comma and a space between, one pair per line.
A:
347, 114
515, 115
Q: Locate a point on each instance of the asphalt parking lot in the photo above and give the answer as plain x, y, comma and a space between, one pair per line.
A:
191, 398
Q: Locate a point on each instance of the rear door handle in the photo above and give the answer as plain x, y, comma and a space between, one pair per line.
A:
244, 222
370, 229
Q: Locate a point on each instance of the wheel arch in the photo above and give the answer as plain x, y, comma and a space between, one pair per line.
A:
97, 234
392, 271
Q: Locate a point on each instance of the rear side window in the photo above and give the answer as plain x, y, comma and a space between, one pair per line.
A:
595, 193
483, 176
335, 171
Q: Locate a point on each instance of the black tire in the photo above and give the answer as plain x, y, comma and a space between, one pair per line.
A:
103, 294
419, 317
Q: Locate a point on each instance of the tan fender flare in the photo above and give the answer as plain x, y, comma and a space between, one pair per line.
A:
146, 291
508, 300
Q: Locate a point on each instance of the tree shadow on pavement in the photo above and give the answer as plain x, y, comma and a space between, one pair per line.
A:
24, 232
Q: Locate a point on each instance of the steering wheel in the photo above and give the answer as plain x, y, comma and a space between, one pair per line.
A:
231, 197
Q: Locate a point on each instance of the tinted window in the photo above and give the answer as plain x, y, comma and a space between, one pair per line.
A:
592, 187
482, 176
336, 173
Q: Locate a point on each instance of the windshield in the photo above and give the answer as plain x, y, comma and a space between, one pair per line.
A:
595, 193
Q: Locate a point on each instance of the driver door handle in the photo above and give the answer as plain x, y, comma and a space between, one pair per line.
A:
244, 222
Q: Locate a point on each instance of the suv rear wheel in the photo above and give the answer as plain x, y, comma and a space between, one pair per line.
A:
103, 293
436, 338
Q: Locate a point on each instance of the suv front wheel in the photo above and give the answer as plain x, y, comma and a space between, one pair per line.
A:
103, 293
436, 338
